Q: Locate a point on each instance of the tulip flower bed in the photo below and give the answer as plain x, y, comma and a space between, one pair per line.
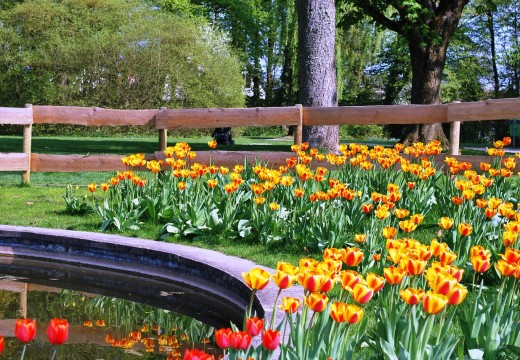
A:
450, 292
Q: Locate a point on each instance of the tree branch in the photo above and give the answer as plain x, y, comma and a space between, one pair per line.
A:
380, 17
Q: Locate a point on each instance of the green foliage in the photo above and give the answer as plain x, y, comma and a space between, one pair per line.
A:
359, 132
113, 53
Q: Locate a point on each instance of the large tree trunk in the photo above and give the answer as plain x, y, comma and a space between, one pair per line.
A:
427, 68
428, 57
316, 66
491, 28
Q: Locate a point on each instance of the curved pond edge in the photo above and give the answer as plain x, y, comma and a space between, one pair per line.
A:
206, 284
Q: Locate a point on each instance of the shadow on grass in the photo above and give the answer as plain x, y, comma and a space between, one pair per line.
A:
120, 146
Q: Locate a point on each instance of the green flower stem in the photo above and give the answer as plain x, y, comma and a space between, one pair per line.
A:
23, 352
250, 308
443, 319
275, 307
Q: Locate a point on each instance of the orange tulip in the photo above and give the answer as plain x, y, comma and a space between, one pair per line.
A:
87, 323
446, 223
447, 257
212, 183
485, 166
307, 263
289, 304
316, 302
382, 212
434, 303
394, 275
417, 218
349, 279
135, 335
465, 229
271, 339
509, 238
352, 256
375, 281
456, 272
311, 280
259, 200
480, 263
223, 337
328, 283
511, 255
437, 248
360, 238
407, 225
423, 252
25, 330
58, 331
240, 340
256, 278
333, 253
101, 323
342, 312
479, 250
443, 284
362, 293
389, 232
413, 266
254, 326
109, 339
401, 213
212, 144
457, 295
92, 187
338, 311
283, 280
490, 212
367, 208
411, 296
505, 268
298, 192
456, 200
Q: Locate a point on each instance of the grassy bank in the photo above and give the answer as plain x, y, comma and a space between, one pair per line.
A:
43, 206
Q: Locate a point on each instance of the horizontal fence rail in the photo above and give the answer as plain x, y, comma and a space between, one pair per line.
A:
165, 119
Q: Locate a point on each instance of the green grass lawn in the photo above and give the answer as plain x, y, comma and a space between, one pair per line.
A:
124, 146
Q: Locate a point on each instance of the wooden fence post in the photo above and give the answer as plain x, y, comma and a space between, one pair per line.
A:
454, 136
163, 137
298, 130
27, 145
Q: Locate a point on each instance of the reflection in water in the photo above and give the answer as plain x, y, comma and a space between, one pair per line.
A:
101, 327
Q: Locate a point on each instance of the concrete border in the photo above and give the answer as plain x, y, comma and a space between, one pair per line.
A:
201, 283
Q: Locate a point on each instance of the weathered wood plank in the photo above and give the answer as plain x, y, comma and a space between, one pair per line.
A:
75, 115
215, 118
371, 115
75, 163
495, 109
14, 162
16, 116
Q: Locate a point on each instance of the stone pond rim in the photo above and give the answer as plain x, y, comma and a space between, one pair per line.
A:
204, 284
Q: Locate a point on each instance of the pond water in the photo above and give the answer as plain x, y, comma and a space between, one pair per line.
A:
112, 315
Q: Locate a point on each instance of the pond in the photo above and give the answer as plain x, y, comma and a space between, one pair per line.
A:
101, 326
131, 275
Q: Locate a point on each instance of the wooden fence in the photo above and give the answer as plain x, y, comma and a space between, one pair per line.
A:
163, 119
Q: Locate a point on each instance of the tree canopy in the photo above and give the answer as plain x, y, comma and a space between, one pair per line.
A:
113, 53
